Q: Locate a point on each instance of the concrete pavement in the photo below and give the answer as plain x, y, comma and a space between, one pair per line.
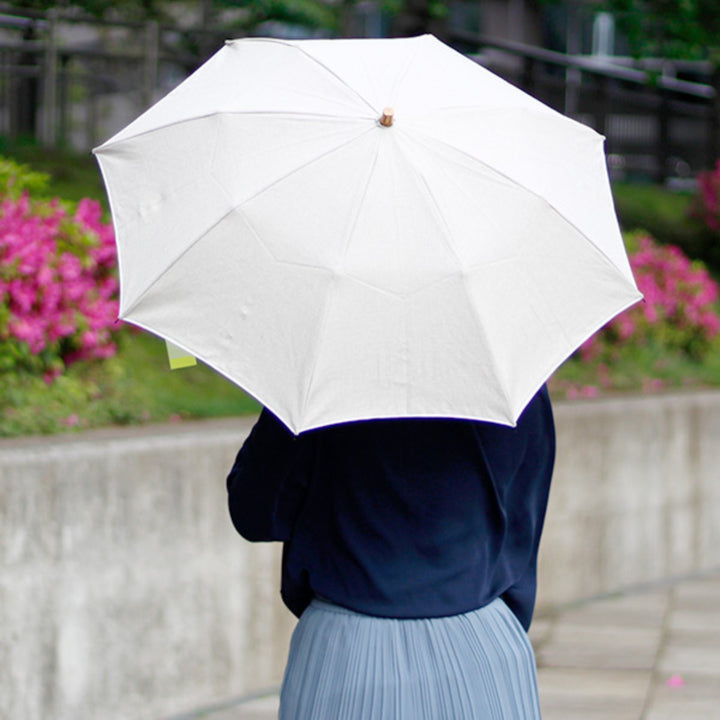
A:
652, 653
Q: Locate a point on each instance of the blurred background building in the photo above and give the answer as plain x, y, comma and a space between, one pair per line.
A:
71, 74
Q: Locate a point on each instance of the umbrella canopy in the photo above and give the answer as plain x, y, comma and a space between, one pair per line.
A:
354, 229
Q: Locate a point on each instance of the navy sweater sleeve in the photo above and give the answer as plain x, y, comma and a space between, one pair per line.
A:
267, 483
526, 504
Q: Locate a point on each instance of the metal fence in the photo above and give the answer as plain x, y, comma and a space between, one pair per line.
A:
658, 126
72, 81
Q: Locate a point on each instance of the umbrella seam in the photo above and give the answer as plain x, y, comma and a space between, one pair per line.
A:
425, 188
120, 253
401, 76
304, 165
350, 233
331, 72
110, 144
540, 110
524, 187
558, 359
448, 168
237, 208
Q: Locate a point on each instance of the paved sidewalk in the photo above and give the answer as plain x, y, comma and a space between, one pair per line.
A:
650, 654
646, 655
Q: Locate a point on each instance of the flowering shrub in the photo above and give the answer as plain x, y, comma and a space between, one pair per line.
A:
678, 312
707, 205
676, 324
703, 216
15, 179
58, 290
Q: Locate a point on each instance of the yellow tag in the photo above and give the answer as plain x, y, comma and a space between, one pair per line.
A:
178, 357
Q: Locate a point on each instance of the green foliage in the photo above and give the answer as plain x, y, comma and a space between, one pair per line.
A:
669, 217
668, 28
245, 15
135, 386
88, 395
191, 392
127, 10
705, 210
55, 173
307, 13
16, 178
643, 368
28, 406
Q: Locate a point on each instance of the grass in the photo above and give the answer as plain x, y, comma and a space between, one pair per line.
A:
137, 385
668, 216
196, 391
665, 214
73, 176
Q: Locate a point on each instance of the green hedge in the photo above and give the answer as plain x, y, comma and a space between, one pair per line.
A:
668, 217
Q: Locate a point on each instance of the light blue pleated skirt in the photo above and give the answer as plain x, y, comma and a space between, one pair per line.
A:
347, 666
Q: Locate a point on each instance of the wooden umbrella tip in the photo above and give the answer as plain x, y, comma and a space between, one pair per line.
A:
386, 119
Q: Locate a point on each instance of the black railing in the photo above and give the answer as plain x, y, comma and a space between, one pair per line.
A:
76, 93
657, 126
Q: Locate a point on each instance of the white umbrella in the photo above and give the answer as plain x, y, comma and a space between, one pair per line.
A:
353, 229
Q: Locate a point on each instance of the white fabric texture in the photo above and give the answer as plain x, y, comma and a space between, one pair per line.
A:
337, 269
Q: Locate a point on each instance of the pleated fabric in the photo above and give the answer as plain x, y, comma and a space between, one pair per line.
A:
347, 666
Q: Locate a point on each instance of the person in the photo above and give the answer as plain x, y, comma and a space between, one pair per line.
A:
410, 555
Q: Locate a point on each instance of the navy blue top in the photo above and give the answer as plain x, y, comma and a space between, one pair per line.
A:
400, 518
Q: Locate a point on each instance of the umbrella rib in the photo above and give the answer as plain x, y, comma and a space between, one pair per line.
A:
429, 140
419, 135
238, 208
351, 229
591, 245
401, 75
350, 232
109, 144
315, 159
539, 109
427, 190
324, 66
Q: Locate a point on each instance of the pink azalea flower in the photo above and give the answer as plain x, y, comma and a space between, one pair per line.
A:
52, 296
678, 312
69, 267
89, 339
105, 351
29, 330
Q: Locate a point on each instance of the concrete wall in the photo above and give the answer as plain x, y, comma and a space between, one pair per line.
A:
635, 496
125, 593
